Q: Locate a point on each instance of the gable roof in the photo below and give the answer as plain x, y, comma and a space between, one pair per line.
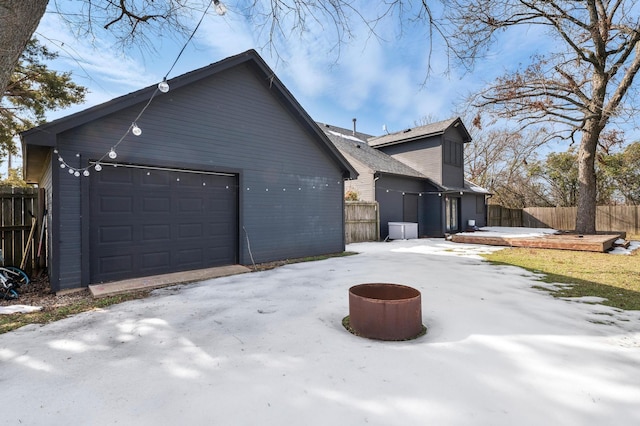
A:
421, 132
36, 142
375, 160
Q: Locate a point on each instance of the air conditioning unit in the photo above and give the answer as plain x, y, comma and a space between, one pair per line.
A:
403, 230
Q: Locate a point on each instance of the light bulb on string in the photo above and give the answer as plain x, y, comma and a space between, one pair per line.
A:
62, 165
163, 86
86, 173
113, 154
221, 9
71, 171
76, 173
97, 167
135, 129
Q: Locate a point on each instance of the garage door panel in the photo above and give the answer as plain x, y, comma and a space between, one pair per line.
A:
189, 257
156, 204
116, 264
160, 221
156, 260
190, 205
156, 233
116, 234
151, 180
218, 256
124, 176
116, 203
190, 231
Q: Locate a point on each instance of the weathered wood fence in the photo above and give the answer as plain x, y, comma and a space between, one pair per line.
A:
18, 210
361, 221
608, 218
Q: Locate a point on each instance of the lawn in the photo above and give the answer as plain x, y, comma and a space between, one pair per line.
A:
613, 277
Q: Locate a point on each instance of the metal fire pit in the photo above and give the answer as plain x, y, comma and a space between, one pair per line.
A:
385, 311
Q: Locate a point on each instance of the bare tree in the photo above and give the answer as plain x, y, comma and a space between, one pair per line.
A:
577, 88
500, 160
137, 22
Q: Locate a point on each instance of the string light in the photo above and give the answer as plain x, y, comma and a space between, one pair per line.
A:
163, 87
221, 9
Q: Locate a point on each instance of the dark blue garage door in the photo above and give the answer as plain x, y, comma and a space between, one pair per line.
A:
149, 221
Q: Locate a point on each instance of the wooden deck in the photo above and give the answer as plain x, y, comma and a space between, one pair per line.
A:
595, 243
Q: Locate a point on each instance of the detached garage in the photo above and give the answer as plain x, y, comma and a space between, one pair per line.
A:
228, 169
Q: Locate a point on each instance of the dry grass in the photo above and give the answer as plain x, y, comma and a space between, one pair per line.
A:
613, 277
55, 313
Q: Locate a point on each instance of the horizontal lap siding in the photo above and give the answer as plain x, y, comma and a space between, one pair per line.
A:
290, 187
424, 156
389, 190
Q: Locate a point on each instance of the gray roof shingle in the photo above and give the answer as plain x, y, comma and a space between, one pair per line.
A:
432, 129
358, 148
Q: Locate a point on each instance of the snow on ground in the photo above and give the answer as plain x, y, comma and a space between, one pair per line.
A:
268, 348
19, 309
633, 246
512, 232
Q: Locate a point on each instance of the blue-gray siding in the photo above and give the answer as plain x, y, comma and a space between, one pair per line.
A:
389, 194
474, 208
423, 155
290, 188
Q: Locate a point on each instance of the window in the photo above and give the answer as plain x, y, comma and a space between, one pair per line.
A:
453, 153
479, 204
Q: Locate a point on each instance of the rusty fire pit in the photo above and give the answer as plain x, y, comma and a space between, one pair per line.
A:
385, 311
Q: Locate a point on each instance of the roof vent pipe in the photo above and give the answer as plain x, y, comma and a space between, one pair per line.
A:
354, 126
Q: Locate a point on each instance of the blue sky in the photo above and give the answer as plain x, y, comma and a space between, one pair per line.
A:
378, 80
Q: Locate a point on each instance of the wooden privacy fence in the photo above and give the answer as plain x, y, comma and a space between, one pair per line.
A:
608, 218
502, 216
18, 206
361, 221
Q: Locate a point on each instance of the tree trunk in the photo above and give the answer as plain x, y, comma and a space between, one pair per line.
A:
586, 215
18, 21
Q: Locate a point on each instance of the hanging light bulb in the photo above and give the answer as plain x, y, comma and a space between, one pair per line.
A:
113, 154
71, 171
55, 150
163, 86
97, 167
86, 173
221, 9
136, 130
76, 173
62, 166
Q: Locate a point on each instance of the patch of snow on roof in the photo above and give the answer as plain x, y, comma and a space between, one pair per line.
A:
342, 135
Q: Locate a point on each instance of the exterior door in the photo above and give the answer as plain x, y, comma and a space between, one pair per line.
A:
452, 214
410, 208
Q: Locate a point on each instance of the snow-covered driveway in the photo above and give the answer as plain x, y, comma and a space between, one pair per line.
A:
268, 348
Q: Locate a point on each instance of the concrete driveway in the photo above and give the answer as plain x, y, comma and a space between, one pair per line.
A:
269, 348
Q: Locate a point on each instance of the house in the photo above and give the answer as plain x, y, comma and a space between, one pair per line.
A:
228, 168
416, 175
